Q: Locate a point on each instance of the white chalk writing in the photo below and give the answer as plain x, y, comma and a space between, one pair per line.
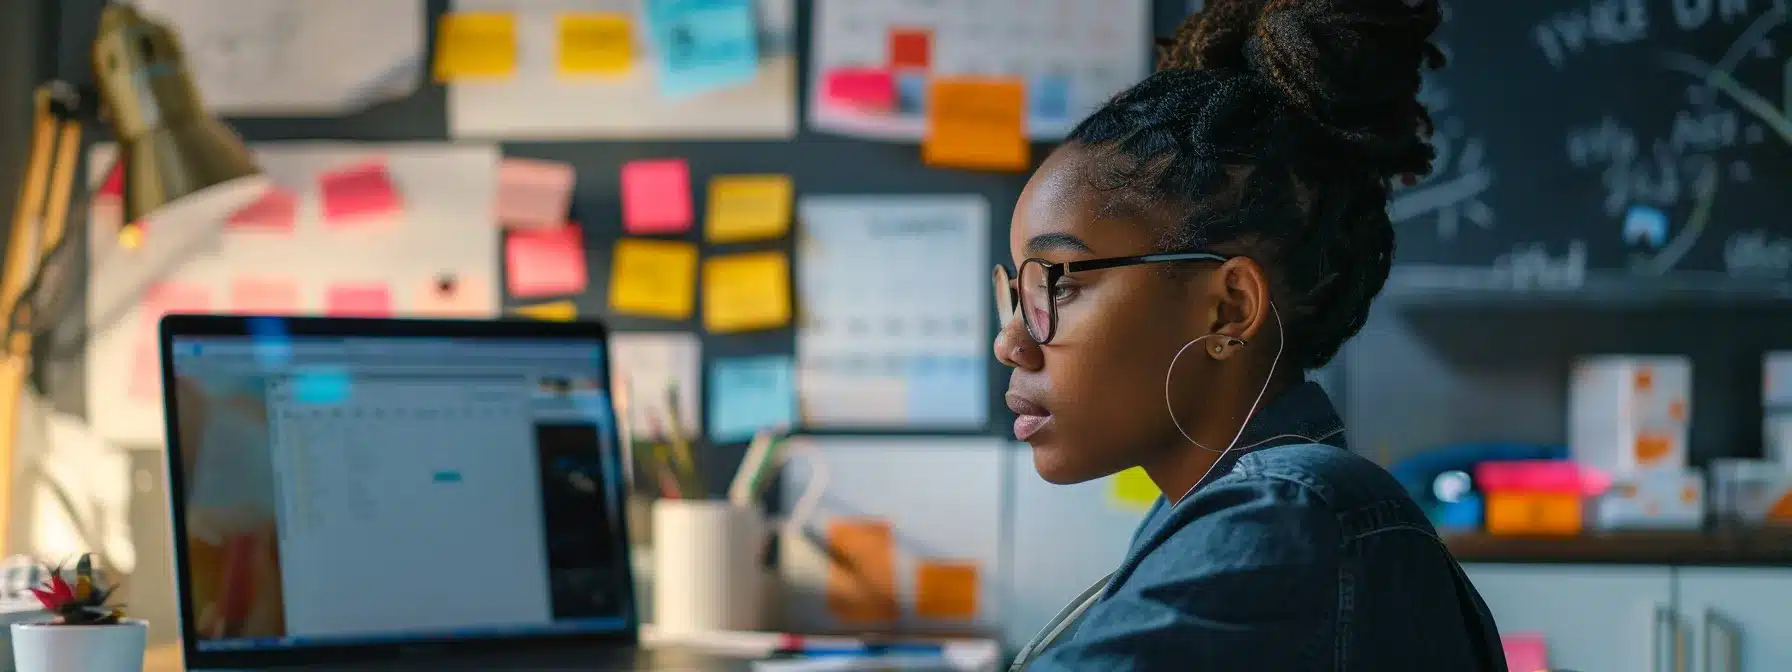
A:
1694, 14
1453, 192
1758, 255
1705, 131
1608, 142
1600, 23
1531, 266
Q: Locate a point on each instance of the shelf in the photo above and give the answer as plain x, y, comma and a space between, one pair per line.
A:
1757, 548
1607, 293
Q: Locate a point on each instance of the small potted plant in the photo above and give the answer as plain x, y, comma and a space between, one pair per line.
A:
84, 631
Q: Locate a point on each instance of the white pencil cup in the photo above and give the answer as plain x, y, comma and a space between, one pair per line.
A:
45, 647
707, 569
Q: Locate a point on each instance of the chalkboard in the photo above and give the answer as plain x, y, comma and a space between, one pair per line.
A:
1625, 143
817, 163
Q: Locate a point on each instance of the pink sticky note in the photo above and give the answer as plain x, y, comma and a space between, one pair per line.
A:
158, 300
274, 212
656, 196
264, 296
534, 193
453, 296
354, 194
1525, 652
358, 300
545, 262
861, 89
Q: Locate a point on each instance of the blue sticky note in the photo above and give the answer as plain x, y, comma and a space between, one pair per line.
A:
1049, 97
322, 387
748, 394
911, 92
703, 45
947, 392
1646, 225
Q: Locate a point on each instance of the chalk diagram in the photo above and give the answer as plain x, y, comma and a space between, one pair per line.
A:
1451, 195
1645, 184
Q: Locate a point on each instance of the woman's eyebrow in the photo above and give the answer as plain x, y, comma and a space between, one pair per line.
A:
1056, 242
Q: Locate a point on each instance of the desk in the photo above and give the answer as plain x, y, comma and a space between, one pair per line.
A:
164, 658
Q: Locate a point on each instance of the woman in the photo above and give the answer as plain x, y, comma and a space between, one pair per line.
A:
1194, 247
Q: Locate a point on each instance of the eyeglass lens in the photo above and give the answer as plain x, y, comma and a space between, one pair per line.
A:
1036, 301
1004, 297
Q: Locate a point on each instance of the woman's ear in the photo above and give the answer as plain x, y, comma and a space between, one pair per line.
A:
1243, 305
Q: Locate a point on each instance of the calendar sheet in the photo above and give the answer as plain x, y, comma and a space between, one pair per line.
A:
872, 61
541, 103
890, 335
347, 229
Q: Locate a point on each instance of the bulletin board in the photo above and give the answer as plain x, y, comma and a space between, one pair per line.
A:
817, 163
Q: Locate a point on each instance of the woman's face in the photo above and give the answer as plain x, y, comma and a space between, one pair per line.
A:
1092, 402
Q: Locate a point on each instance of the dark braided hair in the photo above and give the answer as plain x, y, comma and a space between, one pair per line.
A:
1274, 128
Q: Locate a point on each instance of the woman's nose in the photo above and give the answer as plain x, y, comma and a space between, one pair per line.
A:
1015, 349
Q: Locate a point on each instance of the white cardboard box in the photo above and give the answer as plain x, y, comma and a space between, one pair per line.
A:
1630, 414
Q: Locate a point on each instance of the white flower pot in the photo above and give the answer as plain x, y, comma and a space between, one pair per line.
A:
46, 647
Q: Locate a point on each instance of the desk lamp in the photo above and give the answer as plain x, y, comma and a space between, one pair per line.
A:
181, 170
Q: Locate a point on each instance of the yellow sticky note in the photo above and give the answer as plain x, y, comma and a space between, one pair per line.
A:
552, 311
748, 207
475, 45
743, 292
1133, 490
978, 123
596, 44
654, 278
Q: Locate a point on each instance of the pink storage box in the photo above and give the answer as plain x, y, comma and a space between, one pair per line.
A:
1557, 476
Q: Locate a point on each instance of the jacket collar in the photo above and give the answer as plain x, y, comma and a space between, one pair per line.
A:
1300, 414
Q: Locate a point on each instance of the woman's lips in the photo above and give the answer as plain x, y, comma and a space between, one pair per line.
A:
1027, 425
1032, 416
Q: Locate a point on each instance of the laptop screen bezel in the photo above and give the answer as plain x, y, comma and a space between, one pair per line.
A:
173, 327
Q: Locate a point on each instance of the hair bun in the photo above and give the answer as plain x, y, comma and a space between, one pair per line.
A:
1354, 67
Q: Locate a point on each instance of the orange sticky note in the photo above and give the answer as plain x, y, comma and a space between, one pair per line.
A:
946, 590
274, 212
746, 292
977, 123
358, 300
653, 278
656, 196
160, 299
264, 296
449, 295
545, 262
533, 193
358, 193
862, 584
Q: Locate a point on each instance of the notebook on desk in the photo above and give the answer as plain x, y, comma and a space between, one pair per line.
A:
379, 494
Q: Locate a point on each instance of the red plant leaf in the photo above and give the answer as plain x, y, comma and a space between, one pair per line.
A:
60, 587
47, 599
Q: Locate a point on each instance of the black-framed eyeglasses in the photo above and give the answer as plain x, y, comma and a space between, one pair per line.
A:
1033, 292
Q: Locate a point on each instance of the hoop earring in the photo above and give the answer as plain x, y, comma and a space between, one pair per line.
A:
1169, 374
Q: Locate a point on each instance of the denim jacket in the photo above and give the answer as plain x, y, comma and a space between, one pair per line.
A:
1292, 555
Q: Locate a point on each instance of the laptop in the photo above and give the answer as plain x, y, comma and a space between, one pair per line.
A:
399, 494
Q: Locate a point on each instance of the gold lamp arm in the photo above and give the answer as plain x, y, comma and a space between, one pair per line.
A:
39, 223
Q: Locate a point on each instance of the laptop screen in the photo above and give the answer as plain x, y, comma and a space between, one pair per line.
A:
343, 491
